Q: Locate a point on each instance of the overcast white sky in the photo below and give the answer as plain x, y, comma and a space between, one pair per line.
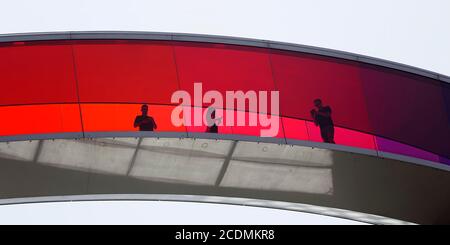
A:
412, 32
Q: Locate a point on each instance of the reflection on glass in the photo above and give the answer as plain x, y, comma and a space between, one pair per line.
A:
122, 117
212, 121
37, 83
322, 118
145, 122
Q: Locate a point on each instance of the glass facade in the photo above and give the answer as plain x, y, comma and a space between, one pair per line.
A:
99, 86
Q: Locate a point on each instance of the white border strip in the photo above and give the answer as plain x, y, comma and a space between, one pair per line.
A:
297, 207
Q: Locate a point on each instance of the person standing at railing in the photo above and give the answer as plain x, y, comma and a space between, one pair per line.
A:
212, 121
322, 118
145, 122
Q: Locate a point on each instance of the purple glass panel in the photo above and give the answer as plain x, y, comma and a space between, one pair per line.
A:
444, 160
407, 108
402, 149
446, 92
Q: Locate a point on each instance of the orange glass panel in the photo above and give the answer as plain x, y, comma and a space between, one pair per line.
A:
224, 127
120, 117
191, 127
275, 125
39, 119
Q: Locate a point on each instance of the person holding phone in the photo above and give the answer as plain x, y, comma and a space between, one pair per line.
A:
322, 118
145, 122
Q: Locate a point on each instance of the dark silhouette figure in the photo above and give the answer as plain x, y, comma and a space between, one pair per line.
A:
322, 118
144, 122
212, 121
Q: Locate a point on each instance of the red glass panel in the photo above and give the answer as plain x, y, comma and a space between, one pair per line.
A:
301, 78
126, 71
37, 73
223, 68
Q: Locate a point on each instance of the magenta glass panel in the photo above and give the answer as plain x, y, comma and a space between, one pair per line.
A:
354, 138
295, 129
313, 132
402, 149
343, 136
407, 108
301, 78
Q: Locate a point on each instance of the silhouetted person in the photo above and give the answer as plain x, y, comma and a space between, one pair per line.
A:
322, 118
212, 121
144, 122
